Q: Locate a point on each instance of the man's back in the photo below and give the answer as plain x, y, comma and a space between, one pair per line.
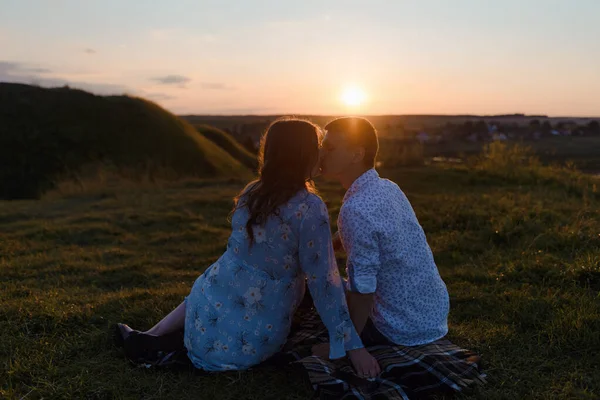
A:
388, 255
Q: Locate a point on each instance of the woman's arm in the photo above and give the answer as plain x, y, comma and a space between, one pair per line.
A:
317, 260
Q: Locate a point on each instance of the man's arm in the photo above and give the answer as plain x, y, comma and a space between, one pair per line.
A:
337, 242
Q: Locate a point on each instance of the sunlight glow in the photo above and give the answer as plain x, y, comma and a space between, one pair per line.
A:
353, 96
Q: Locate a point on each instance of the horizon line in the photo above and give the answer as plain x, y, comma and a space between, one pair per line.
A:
514, 115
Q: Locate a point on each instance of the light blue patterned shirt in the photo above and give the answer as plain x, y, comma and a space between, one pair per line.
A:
388, 255
239, 310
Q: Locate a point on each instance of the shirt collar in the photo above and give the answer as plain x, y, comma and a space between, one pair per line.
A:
361, 182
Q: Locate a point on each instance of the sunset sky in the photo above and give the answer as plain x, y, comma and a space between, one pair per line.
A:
314, 57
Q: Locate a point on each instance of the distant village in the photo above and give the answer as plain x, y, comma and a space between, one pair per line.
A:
482, 131
474, 131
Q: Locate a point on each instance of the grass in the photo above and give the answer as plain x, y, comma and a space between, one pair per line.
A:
229, 144
400, 153
520, 256
578, 151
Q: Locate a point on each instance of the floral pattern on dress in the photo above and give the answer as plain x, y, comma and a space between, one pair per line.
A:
239, 310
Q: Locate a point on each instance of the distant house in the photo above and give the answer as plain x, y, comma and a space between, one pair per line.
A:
423, 137
562, 132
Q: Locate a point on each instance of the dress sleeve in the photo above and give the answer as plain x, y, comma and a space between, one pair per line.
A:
317, 260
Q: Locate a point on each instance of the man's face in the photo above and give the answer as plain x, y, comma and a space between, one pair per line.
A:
336, 155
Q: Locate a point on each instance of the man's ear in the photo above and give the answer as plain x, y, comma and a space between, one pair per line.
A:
358, 155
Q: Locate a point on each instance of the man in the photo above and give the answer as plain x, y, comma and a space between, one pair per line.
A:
395, 293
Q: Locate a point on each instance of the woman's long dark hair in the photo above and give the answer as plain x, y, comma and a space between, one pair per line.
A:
288, 152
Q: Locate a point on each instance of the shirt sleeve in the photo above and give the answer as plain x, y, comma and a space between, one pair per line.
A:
359, 238
317, 260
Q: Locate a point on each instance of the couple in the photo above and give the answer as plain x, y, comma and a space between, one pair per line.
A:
239, 311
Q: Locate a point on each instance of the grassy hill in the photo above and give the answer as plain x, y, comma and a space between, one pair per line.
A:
50, 134
229, 144
517, 245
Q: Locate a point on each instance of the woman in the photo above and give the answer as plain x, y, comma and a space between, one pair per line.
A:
239, 310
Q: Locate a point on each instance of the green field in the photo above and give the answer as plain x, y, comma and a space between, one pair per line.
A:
581, 152
518, 248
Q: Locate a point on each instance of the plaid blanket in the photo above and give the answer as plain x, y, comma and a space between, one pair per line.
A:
438, 368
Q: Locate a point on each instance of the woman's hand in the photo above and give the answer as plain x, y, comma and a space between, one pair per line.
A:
365, 365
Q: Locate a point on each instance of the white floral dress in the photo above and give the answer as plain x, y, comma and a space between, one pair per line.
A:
239, 310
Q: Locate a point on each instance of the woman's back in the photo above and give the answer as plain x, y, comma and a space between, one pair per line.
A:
274, 249
239, 311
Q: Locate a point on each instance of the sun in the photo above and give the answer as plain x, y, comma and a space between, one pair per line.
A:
353, 96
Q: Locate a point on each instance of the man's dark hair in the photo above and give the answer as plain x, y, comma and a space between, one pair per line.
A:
359, 132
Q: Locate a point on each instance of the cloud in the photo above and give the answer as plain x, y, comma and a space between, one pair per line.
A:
17, 72
7, 67
89, 51
16, 68
179, 80
39, 70
158, 96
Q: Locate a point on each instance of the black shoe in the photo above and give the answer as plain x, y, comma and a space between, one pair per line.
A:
120, 333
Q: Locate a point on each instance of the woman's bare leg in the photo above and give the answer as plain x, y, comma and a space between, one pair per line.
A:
174, 321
